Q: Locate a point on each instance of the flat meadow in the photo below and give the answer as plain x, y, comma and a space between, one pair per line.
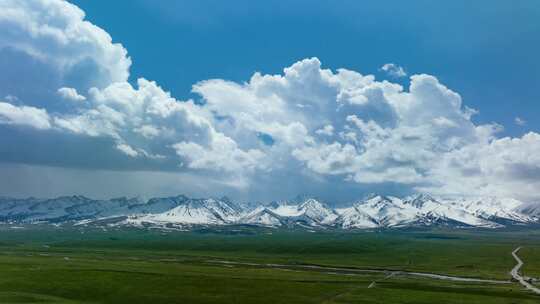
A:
47, 264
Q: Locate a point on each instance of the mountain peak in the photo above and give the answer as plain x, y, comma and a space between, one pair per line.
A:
311, 202
73, 198
301, 198
419, 200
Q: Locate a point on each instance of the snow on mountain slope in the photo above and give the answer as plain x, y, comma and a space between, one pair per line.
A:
354, 217
418, 210
431, 211
190, 211
387, 211
317, 211
310, 212
491, 208
35, 210
532, 210
264, 217
103, 209
157, 205
376, 211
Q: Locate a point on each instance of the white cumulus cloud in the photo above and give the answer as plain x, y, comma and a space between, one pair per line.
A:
394, 70
24, 115
70, 94
128, 150
520, 121
55, 32
306, 123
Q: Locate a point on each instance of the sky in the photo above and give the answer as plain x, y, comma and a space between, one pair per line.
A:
263, 101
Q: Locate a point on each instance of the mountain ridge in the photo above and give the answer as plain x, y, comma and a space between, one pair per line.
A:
373, 211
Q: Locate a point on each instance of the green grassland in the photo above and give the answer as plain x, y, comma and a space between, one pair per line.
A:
44, 264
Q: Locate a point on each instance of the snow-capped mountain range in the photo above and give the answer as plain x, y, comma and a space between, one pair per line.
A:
374, 211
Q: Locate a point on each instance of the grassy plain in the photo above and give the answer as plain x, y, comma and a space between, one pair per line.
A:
44, 264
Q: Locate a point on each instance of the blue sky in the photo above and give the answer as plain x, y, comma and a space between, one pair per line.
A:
485, 50
266, 100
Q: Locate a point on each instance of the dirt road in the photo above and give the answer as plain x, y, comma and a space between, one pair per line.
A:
344, 270
515, 273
